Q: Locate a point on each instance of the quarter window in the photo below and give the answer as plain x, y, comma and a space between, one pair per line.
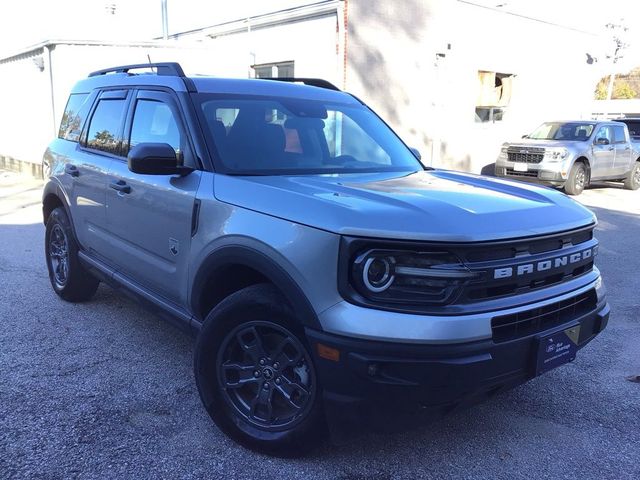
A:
104, 130
73, 117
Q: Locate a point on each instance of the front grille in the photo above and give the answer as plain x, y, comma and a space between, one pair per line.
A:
487, 258
512, 173
529, 322
525, 157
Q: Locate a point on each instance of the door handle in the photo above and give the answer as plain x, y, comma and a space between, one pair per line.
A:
72, 170
120, 186
610, 148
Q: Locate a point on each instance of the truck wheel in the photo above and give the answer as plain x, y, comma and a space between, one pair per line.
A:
578, 179
632, 182
68, 277
255, 375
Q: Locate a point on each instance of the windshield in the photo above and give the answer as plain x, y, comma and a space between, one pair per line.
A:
572, 131
268, 135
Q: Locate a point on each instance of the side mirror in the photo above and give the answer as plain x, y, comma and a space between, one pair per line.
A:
155, 159
602, 141
416, 153
526, 135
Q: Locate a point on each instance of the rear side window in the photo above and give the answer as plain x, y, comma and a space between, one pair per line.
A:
618, 134
73, 117
104, 129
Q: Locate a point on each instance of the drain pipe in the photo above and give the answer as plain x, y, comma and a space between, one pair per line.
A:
165, 21
49, 66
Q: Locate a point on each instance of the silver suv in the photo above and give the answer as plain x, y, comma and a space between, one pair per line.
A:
330, 278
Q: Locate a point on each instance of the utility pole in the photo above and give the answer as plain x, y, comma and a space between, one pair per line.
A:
165, 21
618, 30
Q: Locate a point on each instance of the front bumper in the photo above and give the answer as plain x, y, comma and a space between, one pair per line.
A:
543, 173
371, 377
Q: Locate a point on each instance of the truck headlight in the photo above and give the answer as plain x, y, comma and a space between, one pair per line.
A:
555, 154
503, 152
396, 276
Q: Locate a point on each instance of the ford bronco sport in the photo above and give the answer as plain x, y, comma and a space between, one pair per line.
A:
329, 276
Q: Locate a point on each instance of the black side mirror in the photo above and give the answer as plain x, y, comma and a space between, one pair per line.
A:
416, 153
155, 159
525, 136
602, 141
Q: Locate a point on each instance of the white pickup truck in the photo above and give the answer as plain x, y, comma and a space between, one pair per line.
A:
572, 154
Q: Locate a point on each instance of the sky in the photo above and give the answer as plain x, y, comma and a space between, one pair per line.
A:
27, 22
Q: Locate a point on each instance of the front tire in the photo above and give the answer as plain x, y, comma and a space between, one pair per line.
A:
578, 179
632, 182
255, 374
68, 277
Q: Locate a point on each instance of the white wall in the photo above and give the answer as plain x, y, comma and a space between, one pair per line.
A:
27, 125
430, 101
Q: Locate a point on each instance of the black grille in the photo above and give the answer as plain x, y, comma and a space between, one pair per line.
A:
529, 322
485, 259
512, 173
528, 157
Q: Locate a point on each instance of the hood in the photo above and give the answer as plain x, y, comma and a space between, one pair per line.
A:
434, 205
529, 142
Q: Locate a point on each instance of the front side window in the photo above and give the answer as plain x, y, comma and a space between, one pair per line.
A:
267, 135
154, 122
104, 130
604, 133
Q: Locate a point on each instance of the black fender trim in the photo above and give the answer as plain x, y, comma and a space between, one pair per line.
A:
249, 257
53, 188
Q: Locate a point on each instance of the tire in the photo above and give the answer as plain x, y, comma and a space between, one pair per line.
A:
578, 179
68, 277
632, 182
255, 374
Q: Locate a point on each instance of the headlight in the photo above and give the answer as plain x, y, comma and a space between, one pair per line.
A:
555, 154
395, 276
503, 152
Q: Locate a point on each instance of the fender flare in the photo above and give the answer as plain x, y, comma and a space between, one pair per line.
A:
263, 264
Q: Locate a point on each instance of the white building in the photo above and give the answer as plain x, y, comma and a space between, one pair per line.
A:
454, 78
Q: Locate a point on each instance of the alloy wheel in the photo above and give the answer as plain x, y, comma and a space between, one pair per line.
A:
59, 255
266, 375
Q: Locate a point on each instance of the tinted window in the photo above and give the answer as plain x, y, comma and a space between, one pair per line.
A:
266, 135
634, 127
153, 121
73, 117
571, 131
104, 130
618, 134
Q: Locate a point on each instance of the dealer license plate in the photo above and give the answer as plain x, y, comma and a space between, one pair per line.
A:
557, 349
520, 167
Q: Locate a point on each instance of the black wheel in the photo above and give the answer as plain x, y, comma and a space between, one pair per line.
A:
255, 374
578, 179
632, 182
68, 277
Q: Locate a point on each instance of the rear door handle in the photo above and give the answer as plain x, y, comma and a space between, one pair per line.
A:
120, 186
71, 170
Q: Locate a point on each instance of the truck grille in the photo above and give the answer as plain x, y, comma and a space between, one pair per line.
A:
525, 154
529, 322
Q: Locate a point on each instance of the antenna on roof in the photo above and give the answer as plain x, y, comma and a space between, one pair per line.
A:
151, 64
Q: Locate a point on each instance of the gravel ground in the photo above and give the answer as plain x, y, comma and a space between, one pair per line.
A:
105, 389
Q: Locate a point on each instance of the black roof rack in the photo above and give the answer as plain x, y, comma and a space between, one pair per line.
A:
316, 82
171, 69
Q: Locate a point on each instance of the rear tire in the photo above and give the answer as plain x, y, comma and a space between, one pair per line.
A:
255, 374
632, 182
578, 179
68, 277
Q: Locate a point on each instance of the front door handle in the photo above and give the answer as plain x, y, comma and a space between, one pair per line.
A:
72, 170
610, 149
120, 186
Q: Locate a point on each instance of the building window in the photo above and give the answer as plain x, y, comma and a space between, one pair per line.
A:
494, 95
274, 70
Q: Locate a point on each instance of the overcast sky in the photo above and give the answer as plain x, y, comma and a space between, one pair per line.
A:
27, 22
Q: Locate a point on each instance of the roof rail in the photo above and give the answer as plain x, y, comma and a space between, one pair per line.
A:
315, 82
171, 69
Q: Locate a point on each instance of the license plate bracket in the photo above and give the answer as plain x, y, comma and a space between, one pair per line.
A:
557, 348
